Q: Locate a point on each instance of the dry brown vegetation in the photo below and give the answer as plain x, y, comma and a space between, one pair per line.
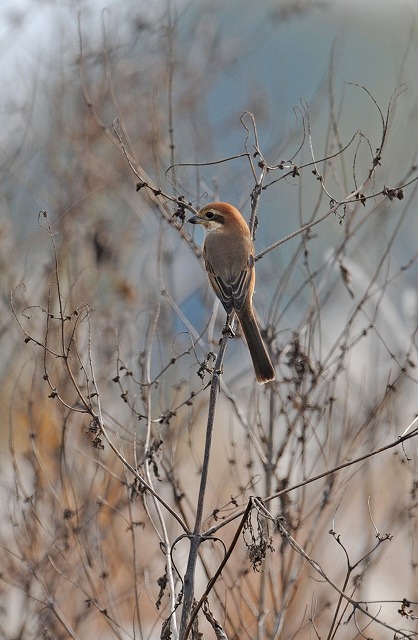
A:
150, 487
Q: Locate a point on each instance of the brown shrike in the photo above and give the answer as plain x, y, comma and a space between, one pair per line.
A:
228, 252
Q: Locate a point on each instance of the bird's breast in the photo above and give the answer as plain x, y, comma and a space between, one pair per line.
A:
228, 255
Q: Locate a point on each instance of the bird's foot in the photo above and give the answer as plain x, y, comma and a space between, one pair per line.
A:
228, 331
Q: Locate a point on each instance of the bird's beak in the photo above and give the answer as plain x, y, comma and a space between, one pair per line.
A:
194, 220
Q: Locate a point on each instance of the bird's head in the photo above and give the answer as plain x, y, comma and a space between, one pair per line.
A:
218, 216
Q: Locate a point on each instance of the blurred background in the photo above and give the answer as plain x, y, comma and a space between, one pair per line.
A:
183, 87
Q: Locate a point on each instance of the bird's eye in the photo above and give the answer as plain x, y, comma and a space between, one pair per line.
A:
210, 215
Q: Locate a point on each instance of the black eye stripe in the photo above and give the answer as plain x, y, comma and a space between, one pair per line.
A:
217, 217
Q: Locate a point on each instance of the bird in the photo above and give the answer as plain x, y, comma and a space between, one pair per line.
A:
228, 253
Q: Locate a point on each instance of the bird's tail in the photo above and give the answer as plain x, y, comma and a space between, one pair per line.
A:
263, 367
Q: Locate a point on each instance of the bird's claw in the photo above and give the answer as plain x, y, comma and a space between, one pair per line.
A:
228, 331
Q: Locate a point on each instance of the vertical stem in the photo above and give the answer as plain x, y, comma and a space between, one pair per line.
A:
163, 533
268, 477
170, 96
189, 579
269, 464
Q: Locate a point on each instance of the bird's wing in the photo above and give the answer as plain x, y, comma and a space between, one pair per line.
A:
233, 293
